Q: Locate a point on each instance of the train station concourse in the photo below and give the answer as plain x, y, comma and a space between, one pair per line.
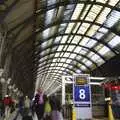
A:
60, 56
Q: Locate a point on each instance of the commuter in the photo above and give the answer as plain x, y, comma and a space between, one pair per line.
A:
20, 107
7, 103
2, 109
27, 103
39, 104
47, 110
56, 109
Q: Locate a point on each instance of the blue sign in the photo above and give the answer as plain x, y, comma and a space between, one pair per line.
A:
81, 93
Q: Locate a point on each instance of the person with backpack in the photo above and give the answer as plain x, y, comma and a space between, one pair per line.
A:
47, 110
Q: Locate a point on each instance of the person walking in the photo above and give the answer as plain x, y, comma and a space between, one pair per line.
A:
7, 103
39, 104
56, 109
47, 110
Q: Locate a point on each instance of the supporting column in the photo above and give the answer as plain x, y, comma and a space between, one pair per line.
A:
63, 90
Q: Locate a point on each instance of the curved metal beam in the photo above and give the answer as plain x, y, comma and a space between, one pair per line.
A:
70, 59
57, 44
69, 64
45, 9
52, 78
49, 71
84, 56
69, 21
47, 67
63, 3
76, 34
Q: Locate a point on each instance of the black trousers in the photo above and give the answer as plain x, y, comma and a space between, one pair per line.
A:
39, 111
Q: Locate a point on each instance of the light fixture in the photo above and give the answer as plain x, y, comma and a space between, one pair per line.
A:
95, 83
97, 78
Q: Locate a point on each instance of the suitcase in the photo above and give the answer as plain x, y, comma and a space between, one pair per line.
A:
27, 118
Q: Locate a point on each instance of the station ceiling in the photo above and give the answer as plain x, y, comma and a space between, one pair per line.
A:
51, 38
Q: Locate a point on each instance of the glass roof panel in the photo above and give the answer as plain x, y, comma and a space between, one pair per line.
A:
88, 63
57, 39
78, 71
53, 64
83, 28
65, 65
77, 11
76, 27
83, 68
104, 50
72, 55
71, 48
64, 39
102, 1
63, 60
103, 30
91, 43
85, 11
113, 2
115, 41
68, 61
49, 15
84, 41
60, 64
48, 32
69, 27
57, 54
66, 54
103, 15
76, 39
92, 30
77, 49
60, 47
83, 51
70, 38
112, 18
93, 12
55, 60
98, 35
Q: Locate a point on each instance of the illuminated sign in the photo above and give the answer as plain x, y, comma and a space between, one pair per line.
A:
81, 80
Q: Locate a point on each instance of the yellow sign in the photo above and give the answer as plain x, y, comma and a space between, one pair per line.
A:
81, 80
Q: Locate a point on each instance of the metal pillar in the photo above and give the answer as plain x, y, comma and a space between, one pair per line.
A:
63, 90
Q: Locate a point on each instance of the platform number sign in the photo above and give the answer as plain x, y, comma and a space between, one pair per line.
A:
82, 96
81, 93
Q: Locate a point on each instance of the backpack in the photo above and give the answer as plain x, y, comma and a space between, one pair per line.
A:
7, 101
48, 108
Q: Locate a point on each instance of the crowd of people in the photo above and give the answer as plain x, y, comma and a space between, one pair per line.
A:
46, 108
42, 106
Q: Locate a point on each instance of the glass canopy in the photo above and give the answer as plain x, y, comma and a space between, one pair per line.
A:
78, 36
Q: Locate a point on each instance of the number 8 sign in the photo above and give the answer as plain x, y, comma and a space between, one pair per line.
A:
81, 93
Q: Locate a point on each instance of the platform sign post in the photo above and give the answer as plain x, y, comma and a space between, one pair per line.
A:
82, 96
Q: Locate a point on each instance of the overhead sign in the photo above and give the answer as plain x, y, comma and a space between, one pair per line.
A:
81, 80
82, 96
